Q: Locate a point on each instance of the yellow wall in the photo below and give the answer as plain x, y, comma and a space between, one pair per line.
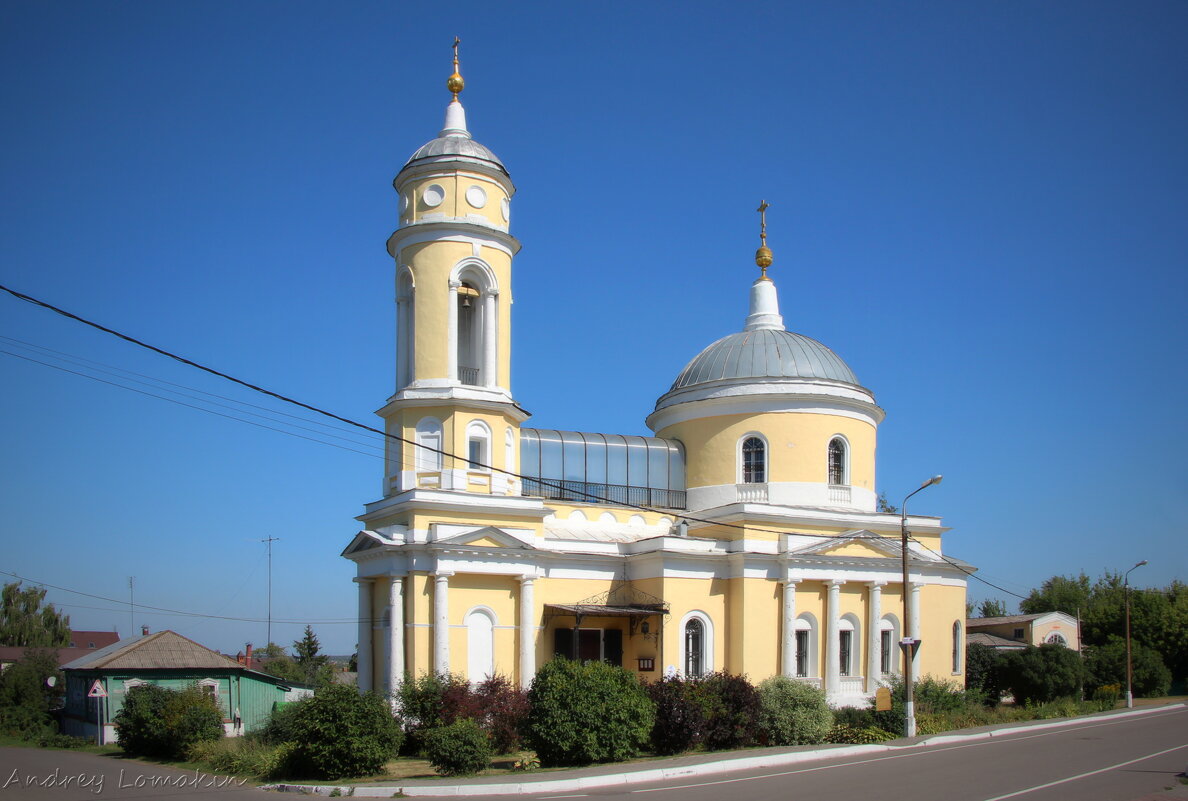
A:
455, 204
797, 447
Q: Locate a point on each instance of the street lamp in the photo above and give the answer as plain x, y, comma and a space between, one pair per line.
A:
909, 644
1129, 669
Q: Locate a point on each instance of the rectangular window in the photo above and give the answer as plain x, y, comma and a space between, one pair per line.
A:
885, 645
475, 454
802, 655
1018, 634
846, 639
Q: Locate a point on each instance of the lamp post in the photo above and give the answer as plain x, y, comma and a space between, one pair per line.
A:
1129, 669
909, 644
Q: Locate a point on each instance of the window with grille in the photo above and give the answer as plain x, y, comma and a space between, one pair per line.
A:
754, 461
846, 643
694, 642
802, 654
837, 462
885, 647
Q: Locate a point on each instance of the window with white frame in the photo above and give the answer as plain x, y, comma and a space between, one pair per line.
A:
696, 645
888, 644
1056, 638
956, 646
429, 444
807, 663
478, 445
754, 460
848, 632
839, 469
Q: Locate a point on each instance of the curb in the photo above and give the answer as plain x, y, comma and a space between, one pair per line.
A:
686, 771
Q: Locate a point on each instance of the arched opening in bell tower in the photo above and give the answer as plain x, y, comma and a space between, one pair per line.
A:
474, 324
469, 336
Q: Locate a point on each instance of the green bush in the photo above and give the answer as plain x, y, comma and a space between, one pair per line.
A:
459, 749
983, 671
279, 728
679, 717
731, 707
792, 712
1106, 665
339, 733
243, 756
435, 700
1038, 675
586, 713
26, 702
158, 722
859, 735
853, 716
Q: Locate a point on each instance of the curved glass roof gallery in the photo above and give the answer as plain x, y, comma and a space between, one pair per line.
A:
602, 468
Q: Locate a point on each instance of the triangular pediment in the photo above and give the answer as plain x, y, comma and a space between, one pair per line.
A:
364, 541
857, 542
485, 537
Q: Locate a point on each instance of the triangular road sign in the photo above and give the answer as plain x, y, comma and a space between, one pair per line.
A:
97, 690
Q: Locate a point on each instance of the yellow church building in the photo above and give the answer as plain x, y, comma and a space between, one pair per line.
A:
744, 536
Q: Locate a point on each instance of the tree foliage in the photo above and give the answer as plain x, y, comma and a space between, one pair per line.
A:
339, 733
793, 712
1066, 594
1043, 674
1106, 665
158, 722
27, 622
992, 607
26, 701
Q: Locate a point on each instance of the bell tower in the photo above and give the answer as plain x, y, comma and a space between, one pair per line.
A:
453, 258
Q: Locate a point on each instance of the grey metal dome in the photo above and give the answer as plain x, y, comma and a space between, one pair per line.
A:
765, 353
455, 148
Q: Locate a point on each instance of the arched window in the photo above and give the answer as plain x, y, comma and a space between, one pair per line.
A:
956, 646
480, 644
754, 461
473, 326
888, 648
429, 444
697, 645
839, 469
478, 445
1056, 638
806, 645
848, 630
405, 329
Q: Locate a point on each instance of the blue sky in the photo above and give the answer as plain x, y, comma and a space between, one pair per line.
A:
980, 207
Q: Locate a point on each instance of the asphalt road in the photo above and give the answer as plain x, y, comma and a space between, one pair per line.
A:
1118, 760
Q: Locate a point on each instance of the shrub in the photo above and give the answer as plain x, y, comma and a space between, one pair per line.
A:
983, 671
793, 712
433, 700
459, 749
1108, 694
158, 722
279, 728
504, 707
1106, 664
242, 756
731, 707
679, 717
25, 699
1037, 675
586, 713
853, 716
859, 735
340, 733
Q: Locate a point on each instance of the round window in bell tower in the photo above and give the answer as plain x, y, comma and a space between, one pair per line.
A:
476, 197
433, 195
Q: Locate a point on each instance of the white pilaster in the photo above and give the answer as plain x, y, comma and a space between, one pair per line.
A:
833, 646
395, 659
441, 621
364, 647
916, 586
452, 332
403, 344
874, 639
789, 651
490, 368
527, 631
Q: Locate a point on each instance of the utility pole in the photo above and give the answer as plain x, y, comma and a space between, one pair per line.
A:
270, 540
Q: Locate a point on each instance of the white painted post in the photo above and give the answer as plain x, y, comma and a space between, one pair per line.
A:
489, 337
789, 655
365, 613
874, 639
441, 621
527, 631
833, 652
452, 333
395, 636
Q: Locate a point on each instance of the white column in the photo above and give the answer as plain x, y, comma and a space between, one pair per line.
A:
452, 332
441, 621
916, 627
527, 631
403, 345
789, 654
395, 635
490, 368
833, 646
364, 679
874, 639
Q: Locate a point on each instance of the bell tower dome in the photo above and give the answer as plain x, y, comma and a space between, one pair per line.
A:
453, 257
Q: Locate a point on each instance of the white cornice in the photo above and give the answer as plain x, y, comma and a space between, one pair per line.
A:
764, 396
413, 396
467, 231
436, 169
442, 500
880, 522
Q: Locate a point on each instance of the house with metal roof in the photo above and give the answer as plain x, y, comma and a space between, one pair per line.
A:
97, 683
1020, 631
745, 534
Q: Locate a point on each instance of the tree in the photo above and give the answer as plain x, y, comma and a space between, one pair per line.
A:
1106, 664
26, 701
158, 722
1058, 594
24, 622
992, 607
309, 657
885, 505
340, 733
1039, 675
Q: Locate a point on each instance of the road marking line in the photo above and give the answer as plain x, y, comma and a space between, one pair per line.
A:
913, 753
1085, 775
575, 795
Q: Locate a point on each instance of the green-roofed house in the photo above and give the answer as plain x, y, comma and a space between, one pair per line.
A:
167, 659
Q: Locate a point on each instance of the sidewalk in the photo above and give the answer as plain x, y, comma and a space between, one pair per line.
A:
620, 775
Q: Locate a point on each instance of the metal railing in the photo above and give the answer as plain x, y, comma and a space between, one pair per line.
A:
469, 376
586, 492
